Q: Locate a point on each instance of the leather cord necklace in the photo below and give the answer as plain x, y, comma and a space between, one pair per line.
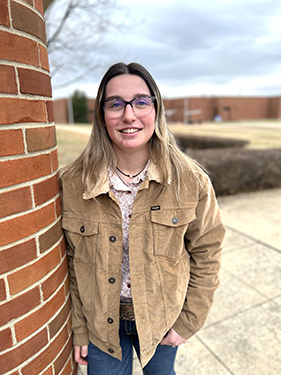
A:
129, 175
125, 183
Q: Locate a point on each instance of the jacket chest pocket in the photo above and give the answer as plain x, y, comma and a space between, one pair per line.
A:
169, 228
81, 235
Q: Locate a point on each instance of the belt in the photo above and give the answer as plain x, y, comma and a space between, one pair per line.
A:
127, 311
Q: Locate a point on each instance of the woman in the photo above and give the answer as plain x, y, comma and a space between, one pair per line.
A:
143, 233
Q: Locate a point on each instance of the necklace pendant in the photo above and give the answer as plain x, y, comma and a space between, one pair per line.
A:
131, 176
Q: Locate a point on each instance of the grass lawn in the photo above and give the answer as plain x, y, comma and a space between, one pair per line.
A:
261, 134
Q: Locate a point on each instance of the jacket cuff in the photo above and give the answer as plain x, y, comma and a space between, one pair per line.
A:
182, 330
81, 339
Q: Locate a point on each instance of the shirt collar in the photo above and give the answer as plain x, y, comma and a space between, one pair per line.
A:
116, 181
150, 173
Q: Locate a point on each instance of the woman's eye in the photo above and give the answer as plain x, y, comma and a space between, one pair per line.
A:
142, 102
117, 104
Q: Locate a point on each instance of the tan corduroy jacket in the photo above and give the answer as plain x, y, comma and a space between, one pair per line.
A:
175, 252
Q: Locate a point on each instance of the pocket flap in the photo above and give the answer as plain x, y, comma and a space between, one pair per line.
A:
79, 225
174, 218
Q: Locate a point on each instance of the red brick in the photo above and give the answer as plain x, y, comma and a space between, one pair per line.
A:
40, 138
15, 201
8, 82
67, 286
15, 357
68, 369
6, 340
29, 275
55, 161
50, 237
58, 207
69, 325
63, 247
17, 256
19, 306
27, 20
26, 225
50, 111
2, 290
39, 5
21, 110
48, 356
11, 142
60, 320
50, 285
49, 371
14, 172
34, 83
33, 322
44, 59
4, 13
19, 49
63, 357
45, 190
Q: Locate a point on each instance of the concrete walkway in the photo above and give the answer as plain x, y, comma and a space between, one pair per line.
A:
242, 335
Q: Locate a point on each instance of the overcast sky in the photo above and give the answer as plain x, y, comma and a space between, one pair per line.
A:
200, 47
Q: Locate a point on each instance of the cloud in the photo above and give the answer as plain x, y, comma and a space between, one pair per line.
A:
218, 45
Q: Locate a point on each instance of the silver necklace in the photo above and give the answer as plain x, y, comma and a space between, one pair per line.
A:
121, 179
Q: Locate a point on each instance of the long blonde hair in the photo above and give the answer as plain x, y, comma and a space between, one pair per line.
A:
99, 151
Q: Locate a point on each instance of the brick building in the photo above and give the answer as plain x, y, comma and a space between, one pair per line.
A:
200, 109
228, 108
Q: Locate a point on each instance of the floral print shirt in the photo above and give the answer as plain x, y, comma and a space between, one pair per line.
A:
125, 194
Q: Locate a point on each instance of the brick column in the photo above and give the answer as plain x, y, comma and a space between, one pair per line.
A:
35, 335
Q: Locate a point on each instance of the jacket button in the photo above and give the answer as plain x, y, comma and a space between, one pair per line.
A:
112, 280
82, 229
175, 220
111, 350
110, 320
112, 238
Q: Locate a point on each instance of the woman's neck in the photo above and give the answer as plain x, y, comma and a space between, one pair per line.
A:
131, 163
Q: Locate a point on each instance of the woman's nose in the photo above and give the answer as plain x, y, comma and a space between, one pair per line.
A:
129, 114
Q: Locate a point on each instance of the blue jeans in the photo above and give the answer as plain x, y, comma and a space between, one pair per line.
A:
101, 363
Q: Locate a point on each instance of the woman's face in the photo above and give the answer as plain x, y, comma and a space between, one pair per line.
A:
129, 132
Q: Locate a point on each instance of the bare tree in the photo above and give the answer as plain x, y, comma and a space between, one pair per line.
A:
78, 34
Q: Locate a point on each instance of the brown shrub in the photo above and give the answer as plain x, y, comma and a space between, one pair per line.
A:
186, 141
236, 170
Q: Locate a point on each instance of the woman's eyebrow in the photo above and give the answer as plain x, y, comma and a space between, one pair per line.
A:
120, 97
114, 97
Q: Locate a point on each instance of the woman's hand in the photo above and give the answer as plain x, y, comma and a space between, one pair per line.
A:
172, 339
80, 354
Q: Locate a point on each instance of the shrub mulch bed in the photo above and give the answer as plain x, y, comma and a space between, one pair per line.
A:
234, 170
205, 142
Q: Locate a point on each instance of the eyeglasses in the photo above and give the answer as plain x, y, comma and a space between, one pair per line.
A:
141, 106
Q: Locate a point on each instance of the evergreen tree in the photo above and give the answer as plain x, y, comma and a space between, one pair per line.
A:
80, 106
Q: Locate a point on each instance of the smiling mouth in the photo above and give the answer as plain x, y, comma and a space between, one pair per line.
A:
130, 131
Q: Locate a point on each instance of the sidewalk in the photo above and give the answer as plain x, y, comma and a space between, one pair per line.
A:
242, 335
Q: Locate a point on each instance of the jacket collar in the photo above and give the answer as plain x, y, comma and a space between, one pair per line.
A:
102, 185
